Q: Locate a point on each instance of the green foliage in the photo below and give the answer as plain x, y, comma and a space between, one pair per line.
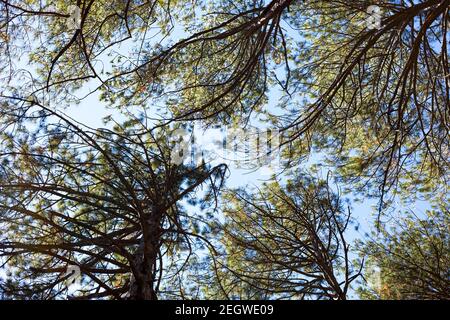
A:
411, 260
371, 104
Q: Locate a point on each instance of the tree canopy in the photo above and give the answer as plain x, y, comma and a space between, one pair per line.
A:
412, 260
107, 202
286, 242
358, 91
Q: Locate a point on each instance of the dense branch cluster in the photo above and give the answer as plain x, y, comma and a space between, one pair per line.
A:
104, 201
286, 242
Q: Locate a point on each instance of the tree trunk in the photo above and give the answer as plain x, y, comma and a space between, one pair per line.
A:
142, 286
